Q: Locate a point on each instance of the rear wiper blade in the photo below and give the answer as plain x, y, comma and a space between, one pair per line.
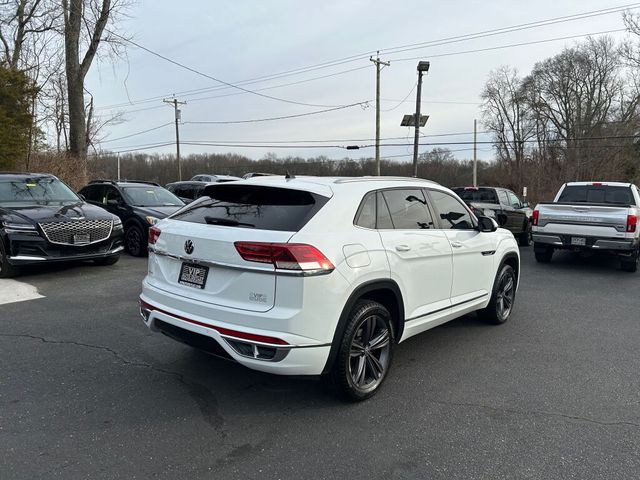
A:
227, 222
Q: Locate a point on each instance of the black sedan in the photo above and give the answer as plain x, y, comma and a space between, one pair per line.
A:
42, 220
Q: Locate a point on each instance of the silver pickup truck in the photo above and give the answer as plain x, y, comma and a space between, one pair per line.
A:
590, 216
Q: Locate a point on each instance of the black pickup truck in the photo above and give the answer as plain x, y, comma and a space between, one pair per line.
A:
502, 204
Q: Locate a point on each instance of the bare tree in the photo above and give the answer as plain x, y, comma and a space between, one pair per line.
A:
85, 23
507, 115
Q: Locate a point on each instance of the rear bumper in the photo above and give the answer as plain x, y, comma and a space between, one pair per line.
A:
268, 351
591, 243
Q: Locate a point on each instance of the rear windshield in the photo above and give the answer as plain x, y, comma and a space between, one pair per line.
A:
264, 208
151, 196
596, 194
483, 195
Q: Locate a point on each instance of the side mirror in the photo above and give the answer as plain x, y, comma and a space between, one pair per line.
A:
486, 224
113, 202
525, 204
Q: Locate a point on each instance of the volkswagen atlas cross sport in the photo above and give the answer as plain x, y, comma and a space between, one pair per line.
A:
324, 276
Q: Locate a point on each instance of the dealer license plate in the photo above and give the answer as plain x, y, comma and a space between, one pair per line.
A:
579, 241
193, 275
81, 239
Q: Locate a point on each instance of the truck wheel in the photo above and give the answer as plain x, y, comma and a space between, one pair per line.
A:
365, 352
543, 254
631, 265
502, 298
525, 237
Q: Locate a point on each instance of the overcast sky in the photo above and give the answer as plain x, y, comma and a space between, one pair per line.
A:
244, 40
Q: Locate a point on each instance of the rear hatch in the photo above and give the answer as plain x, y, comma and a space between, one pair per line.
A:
196, 256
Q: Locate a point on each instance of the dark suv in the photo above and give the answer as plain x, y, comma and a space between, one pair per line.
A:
187, 191
42, 220
138, 204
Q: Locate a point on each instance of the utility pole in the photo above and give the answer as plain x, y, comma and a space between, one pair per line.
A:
378, 63
422, 67
175, 103
475, 157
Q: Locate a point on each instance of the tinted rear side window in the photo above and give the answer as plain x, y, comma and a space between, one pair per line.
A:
264, 208
484, 195
596, 194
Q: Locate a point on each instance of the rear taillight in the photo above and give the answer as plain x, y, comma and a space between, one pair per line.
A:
534, 217
285, 256
154, 233
632, 223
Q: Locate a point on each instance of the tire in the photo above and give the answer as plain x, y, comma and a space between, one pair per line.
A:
6, 269
543, 254
502, 297
359, 369
135, 241
631, 265
525, 237
112, 260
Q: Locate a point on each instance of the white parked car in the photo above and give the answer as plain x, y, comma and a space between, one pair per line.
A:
324, 276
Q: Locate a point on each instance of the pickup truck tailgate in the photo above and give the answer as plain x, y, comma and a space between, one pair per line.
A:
597, 220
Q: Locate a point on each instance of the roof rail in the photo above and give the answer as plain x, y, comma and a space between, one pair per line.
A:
139, 181
113, 182
102, 180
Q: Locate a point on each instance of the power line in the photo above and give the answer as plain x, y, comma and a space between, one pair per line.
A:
365, 55
138, 148
403, 100
510, 45
155, 99
510, 29
283, 117
210, 77
137, 133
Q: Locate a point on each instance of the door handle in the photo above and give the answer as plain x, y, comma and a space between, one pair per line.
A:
456, 244
403, 248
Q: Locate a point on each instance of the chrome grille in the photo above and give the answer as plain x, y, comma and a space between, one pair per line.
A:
65, 233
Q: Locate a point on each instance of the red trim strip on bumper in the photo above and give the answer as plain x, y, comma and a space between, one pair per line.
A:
220, 330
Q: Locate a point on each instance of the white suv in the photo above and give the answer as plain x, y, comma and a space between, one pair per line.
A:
324, 276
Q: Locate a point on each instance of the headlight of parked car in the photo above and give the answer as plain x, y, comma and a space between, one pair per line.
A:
23, 228
117, 224
152, 220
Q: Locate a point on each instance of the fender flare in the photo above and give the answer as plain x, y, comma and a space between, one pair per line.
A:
353, 298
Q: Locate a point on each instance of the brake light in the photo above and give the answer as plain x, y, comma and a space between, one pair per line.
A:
534, 217
285, 256
154, 234
596, 184
632, 223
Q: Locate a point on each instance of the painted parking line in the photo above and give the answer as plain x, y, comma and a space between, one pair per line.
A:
12, 291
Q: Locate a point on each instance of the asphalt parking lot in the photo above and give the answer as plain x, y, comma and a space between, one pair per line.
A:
87, 392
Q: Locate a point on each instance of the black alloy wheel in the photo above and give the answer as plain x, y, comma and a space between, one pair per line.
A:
134, 241
365, 352
503, 297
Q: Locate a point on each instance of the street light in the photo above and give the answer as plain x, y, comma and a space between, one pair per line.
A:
423, 66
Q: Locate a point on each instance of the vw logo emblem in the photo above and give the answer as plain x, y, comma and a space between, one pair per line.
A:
188, 247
